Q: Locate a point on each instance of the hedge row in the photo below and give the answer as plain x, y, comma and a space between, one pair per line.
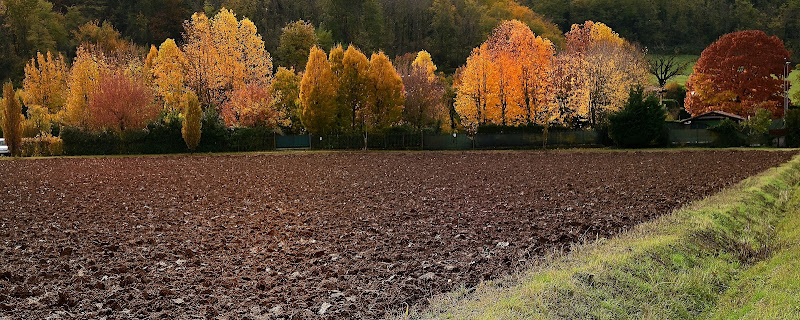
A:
164, 137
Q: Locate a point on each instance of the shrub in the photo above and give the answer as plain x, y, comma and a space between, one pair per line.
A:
640, 123
42, 146
79, 142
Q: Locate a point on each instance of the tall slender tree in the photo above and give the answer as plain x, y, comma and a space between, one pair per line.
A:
318, 94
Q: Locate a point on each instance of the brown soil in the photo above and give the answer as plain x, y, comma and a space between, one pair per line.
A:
345, 235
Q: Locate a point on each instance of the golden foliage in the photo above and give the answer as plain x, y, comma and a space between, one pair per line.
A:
192, 117
168, 72
84, 79
317, 94
12, 119
45, 82
385, 93
224, 54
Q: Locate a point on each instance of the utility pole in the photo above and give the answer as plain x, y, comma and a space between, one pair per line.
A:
786, 70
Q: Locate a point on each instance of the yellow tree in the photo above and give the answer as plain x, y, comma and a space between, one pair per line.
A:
84, 79
570, 87
285, 89
612, 65
385, 93
224, 54
168, 71
475, 89
424, 62
353, 83
317, 94
12, 119
149, 62
202, 69
45, 82
336, 58
192, 120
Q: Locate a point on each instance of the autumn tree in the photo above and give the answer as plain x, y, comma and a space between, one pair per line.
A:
296, 40
224, 54
121, 103
353, 84
253, 106
45, 82
168, 73
84, 78
385, 93
318, 94
149, 64
475, 89
570, 88
103, 36
425, 104
192, 124
12, 119
612, 65
285, 89
507, 79
739, 74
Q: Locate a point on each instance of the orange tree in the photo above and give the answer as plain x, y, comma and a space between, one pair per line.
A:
739, 73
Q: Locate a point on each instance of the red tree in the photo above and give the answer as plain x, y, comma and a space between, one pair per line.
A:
121, 103
739, 73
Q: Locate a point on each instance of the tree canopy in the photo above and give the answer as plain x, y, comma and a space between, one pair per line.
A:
739, 73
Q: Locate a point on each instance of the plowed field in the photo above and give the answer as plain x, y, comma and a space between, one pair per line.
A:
332, 235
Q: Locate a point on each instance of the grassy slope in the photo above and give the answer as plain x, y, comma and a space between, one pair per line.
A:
771, 288
677, 267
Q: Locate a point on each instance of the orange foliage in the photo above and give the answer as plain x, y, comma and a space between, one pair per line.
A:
507, 79
121, 103
740, 73
252, 106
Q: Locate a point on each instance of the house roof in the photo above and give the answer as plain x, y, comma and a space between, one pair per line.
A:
714, 115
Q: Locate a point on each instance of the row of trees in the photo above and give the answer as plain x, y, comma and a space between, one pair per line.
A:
346, 92
515, 77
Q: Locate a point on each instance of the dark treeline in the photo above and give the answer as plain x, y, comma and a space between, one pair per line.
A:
687, 26
449, 29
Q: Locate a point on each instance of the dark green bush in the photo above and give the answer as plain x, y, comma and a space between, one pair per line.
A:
78, 142
640, 124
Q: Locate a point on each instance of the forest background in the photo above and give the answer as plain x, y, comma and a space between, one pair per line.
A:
448, 29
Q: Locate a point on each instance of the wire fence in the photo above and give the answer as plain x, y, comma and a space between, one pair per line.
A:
422, 141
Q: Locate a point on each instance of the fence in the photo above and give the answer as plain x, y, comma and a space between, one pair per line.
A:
420, 141
690, 137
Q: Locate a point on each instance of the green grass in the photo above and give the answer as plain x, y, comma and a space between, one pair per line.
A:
771, 288
684, 265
